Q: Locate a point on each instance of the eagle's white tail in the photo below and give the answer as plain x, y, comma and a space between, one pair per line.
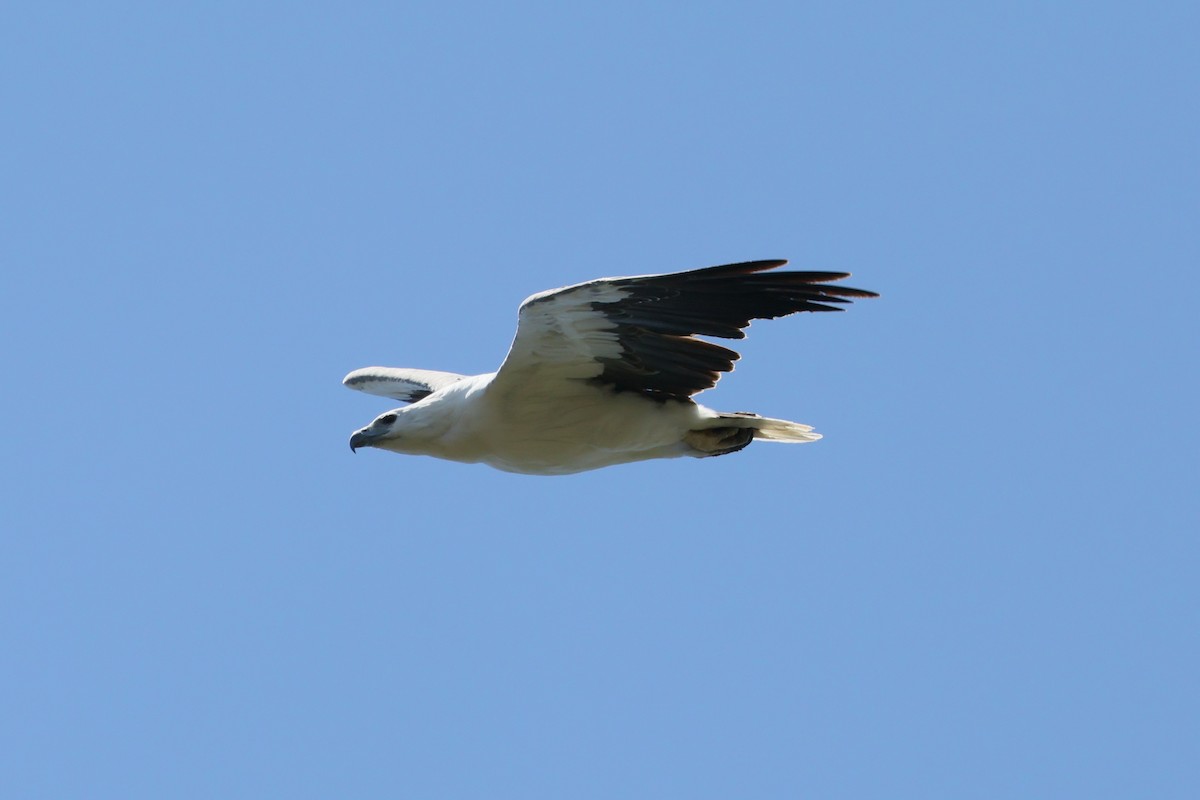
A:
774, 430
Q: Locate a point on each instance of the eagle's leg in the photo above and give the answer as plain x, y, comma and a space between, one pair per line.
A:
718, 441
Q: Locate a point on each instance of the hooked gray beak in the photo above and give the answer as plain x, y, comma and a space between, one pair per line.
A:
360, 439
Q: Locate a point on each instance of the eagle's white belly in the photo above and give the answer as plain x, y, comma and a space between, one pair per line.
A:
561, 432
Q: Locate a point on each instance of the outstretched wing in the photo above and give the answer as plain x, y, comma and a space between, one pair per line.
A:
639, 333
409, 385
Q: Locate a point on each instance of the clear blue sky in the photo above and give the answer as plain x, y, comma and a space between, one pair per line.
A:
982, 583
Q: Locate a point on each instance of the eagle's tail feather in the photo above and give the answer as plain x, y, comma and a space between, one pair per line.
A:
772, 430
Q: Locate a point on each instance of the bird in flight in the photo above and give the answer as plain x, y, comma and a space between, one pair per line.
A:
603, 373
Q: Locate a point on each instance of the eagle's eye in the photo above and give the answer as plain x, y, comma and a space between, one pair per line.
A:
386, 419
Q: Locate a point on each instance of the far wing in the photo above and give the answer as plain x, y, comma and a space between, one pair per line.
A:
409, 385
639, 333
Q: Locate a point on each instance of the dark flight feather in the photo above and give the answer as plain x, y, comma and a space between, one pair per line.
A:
660, 315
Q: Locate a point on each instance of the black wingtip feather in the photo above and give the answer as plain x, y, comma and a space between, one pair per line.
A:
740, 268
660, 315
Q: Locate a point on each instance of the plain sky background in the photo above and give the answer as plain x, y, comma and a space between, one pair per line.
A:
981, 584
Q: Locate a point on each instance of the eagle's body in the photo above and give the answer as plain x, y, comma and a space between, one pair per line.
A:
601, 373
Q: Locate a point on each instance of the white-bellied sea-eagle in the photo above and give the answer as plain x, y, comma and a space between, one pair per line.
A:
603, 373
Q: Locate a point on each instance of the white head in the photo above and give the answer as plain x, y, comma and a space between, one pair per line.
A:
387, 431
380, 429
411, 429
